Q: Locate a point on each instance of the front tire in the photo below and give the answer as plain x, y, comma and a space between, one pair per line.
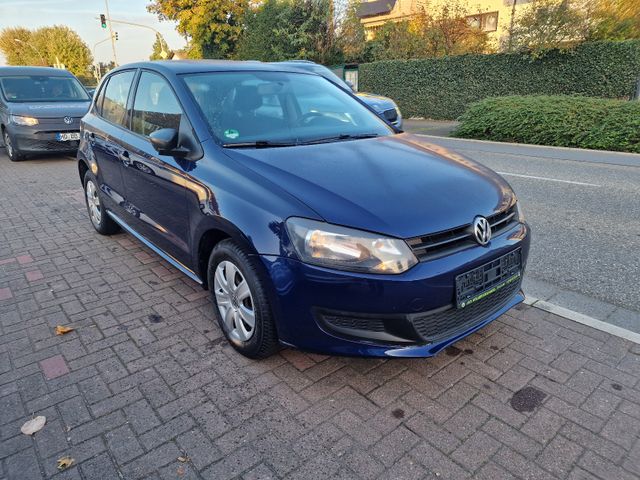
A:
240, 301
102, 222
13, 153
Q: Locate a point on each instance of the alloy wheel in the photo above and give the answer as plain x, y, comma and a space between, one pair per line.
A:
93, 201
235, 302
7, 145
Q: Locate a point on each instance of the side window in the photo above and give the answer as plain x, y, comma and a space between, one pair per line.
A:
100, 99
114, 106
155, 106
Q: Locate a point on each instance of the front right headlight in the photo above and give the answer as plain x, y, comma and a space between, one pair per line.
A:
342, 248
24, 121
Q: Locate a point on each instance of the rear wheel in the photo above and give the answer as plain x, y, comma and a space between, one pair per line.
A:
102, 222
241, 304
13, 153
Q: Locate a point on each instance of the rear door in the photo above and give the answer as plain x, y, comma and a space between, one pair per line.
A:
155, 184
105, 131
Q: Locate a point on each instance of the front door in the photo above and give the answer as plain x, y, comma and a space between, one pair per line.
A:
155, 184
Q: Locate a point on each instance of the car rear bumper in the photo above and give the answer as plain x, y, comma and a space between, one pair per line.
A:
407, 315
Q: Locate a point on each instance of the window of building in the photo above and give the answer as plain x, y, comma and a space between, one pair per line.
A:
487, 22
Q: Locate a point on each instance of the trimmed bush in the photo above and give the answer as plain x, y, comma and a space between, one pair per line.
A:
442, 88
562, 121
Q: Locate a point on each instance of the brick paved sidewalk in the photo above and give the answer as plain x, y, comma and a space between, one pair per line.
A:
146, 377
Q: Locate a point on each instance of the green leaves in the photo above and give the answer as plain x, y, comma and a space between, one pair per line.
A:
442, 88
562, 121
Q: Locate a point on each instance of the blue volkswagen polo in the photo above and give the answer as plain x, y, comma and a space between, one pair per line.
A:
312, 222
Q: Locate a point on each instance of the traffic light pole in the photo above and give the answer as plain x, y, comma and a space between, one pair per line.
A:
113, 40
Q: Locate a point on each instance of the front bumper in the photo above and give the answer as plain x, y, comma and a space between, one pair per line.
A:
42, 138
406, 315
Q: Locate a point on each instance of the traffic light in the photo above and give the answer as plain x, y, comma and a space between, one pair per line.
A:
103, 21
115, 35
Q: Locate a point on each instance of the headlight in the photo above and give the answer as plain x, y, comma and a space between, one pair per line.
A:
343, 248
27, 121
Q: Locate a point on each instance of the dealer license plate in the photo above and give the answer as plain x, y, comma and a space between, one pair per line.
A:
486, 280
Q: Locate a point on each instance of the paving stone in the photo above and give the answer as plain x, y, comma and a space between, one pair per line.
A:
126, 396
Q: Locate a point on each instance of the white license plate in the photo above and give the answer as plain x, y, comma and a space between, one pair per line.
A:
67, 137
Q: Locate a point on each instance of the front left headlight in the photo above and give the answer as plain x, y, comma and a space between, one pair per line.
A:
342, 248
25, 121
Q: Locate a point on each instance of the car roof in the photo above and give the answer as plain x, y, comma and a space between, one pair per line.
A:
203, 66
49, 71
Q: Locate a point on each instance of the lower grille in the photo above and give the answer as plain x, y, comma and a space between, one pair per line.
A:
445, 323
419, 328
47, 145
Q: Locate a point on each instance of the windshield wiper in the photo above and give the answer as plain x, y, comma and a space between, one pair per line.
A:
337, 138
259, 144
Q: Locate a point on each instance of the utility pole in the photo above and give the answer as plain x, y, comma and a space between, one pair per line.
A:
21, 42
113, 40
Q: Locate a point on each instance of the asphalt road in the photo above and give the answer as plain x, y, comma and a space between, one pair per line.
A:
584, 208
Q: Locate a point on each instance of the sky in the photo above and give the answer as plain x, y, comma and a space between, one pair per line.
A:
134, 43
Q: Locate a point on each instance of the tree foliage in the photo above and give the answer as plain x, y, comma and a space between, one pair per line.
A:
290, 29
435, 31
615, 20
45, 46
213, 27
351, 36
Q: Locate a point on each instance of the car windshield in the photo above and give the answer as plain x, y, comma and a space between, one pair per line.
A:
42, 88
280, 108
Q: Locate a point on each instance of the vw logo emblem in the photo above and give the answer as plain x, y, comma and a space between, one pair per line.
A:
67, 120
481, 230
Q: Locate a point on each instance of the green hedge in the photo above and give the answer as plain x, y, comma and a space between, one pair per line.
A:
563, 121
442, 88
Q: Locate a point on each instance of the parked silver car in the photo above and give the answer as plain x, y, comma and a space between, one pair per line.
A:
40, 110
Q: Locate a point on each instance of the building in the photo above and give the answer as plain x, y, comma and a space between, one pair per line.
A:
492, 16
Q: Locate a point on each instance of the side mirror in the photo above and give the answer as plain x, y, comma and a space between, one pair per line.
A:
165, 141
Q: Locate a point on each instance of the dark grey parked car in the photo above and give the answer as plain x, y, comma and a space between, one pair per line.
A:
40, 110
384, 106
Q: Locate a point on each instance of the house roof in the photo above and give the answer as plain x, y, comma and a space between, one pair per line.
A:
376, 7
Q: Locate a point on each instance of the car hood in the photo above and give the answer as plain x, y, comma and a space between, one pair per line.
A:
49, 110
398, 185
377, 102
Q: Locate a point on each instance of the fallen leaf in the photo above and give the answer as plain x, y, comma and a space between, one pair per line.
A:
65, 462
180, 471
183, 459
34, 425
61, 330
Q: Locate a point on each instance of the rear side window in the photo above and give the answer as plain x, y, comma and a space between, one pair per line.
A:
155, 106
114, 105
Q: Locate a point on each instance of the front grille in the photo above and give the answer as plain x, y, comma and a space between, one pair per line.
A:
439, 244
445, 323
390, 115
60, 121
29, 144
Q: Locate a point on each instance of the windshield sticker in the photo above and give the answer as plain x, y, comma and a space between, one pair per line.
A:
231, 133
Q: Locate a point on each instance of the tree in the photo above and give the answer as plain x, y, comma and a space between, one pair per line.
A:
395, 40
551, 24
213, 27
46, 45
290, 29
446, 30
352, 38
615, 20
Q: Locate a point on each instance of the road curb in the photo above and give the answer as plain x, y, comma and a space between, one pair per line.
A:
583, 319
